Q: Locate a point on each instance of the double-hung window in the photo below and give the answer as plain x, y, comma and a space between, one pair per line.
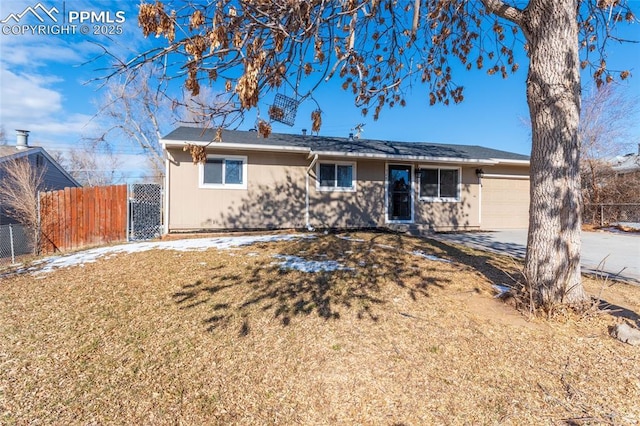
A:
440, 184
336, 176
229, 172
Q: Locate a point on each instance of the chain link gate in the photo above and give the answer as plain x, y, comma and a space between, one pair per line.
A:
145, 211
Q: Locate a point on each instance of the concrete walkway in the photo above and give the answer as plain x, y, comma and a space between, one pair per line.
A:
616, 254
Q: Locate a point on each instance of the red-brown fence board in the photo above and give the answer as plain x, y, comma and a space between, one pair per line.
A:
77, 217
80, 217
46, 206
73, 216
90, 219
121, 209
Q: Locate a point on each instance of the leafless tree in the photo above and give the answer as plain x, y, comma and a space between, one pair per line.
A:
380, 48
136, 110
92, 163
608, 113
133, 112
21, 182
95, 165
607, 116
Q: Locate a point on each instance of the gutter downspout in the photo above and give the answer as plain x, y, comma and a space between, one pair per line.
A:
479, 202
166, 190
307, 217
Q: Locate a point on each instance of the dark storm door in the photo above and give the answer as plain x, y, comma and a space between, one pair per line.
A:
399, 200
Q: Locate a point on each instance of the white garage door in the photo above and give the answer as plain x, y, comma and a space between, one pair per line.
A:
505, 203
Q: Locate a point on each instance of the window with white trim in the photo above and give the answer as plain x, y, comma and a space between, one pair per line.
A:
440, 184
336, 176
226, 172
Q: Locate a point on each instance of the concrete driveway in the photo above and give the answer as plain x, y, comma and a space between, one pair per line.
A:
616, 254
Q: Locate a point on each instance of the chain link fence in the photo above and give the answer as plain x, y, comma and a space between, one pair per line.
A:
612, 214
15, 241
145, 211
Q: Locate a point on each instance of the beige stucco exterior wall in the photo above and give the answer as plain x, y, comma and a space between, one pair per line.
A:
363, 207
447, 216
276, 196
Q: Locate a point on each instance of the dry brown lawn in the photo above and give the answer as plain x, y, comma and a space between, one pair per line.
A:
228, 337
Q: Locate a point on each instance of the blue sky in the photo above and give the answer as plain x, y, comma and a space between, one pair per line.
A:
45, 88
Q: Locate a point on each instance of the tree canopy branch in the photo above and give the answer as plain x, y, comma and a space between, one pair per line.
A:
504, 10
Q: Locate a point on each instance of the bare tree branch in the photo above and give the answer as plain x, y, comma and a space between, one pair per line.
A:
504, 10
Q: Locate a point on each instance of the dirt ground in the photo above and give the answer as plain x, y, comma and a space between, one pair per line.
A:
398, 331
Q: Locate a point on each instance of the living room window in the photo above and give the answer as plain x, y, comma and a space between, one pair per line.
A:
440, 184
336, 176
227, 172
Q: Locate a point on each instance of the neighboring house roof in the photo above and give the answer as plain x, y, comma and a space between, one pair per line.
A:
334, 146
8, 153
625, 163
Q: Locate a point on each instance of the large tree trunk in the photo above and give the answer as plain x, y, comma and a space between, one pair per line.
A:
552, 263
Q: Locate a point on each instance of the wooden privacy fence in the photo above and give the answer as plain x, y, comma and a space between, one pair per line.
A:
72, 218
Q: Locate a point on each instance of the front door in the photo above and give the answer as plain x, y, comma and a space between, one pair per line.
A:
399, 200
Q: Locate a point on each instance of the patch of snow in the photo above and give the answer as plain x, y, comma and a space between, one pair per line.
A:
633, 225
197, 244
613, 230
310, 266
418, 253
630, 225
500, 289
427, 256
346, 238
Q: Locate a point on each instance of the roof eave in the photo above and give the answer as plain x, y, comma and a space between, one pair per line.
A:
237, 146
510, 162
420, 158
171, 143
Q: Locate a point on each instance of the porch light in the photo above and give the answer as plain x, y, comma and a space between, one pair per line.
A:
480, 173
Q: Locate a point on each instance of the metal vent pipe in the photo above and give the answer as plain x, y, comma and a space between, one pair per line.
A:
22, 139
